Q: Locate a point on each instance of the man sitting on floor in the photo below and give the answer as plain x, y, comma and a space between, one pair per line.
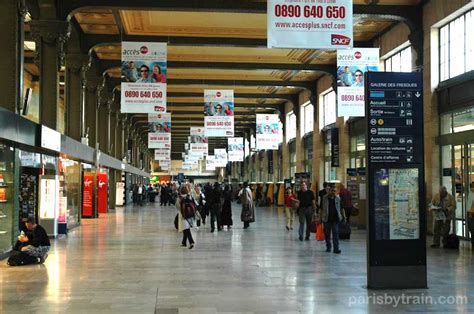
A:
30, 249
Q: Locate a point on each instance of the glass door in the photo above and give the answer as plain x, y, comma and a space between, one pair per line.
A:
463, 185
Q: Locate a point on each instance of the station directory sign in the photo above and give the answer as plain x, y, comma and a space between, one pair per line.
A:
395, 172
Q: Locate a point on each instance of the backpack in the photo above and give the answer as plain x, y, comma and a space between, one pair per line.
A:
243, 197
188, 208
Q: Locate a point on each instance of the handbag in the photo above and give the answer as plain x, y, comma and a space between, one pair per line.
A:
320, 232
295, 204
314, 224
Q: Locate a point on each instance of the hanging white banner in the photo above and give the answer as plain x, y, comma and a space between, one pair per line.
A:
144, 68
235, 148
210, 163
159, 122
220, 157
309, 24
159, 140
199, 148
268, 131
162, 154
352, 65
219, 113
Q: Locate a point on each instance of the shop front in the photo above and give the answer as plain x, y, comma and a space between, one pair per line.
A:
457, 162
8, 216
70, 199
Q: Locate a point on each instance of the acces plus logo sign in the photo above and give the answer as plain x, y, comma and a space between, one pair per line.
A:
218, 94
358, 55
144, 50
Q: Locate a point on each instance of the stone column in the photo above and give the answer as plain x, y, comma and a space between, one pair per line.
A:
91, 84
112, 189
12, 17
119, 137
75, 110
50, 37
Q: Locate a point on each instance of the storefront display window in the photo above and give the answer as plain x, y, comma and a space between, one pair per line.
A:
329, 171
70, 191
7, 207
457, 121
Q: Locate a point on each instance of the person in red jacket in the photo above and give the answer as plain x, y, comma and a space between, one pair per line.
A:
290, 212
346, 201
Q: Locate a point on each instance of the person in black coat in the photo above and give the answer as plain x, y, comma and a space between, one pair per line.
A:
32, 247
226, 217
215, 207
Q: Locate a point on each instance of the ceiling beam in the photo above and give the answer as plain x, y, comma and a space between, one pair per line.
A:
324, 68
302, 84
289, 97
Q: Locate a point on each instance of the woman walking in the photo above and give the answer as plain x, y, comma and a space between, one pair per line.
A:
186, 212
290, 210
226, 217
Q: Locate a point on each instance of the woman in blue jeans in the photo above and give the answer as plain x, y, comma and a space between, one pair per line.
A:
331, 216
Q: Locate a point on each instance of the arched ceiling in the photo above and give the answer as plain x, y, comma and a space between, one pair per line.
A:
212, 45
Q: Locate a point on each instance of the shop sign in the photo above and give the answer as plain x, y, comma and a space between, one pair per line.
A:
144, 70
50, 139
309, 24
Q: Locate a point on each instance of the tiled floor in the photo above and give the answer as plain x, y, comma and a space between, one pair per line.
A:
131, 262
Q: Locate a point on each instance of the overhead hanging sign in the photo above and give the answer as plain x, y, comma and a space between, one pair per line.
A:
210, 163
220, 157
159, 140
159, 125
268, 131
352, 66
144, 68
163, 154
219, 113
309, 24
159, 122
197, 135
235, 149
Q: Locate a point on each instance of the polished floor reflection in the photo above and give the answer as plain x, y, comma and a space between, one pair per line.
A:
131, 262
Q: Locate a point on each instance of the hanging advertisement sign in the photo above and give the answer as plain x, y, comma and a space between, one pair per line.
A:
309, 24
210, 166
220, 157
88, 195
159, 140
143, 88
102, 193
268, 131
159, 122
352, 66
219, 113
162, 154
200, 149
235, 148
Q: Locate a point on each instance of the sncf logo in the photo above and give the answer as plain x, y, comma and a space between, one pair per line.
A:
340, 40
144, 50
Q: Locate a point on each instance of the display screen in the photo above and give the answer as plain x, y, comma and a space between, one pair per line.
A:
396, 200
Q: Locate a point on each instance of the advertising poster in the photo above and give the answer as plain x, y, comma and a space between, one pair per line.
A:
220, 157
162, 154
268, 131
200, 149
235, 149
210, 166
352, 65
159, 122
144, 68
88, 195
219, 113
309, 24
102, 193
159, 140
197, 135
